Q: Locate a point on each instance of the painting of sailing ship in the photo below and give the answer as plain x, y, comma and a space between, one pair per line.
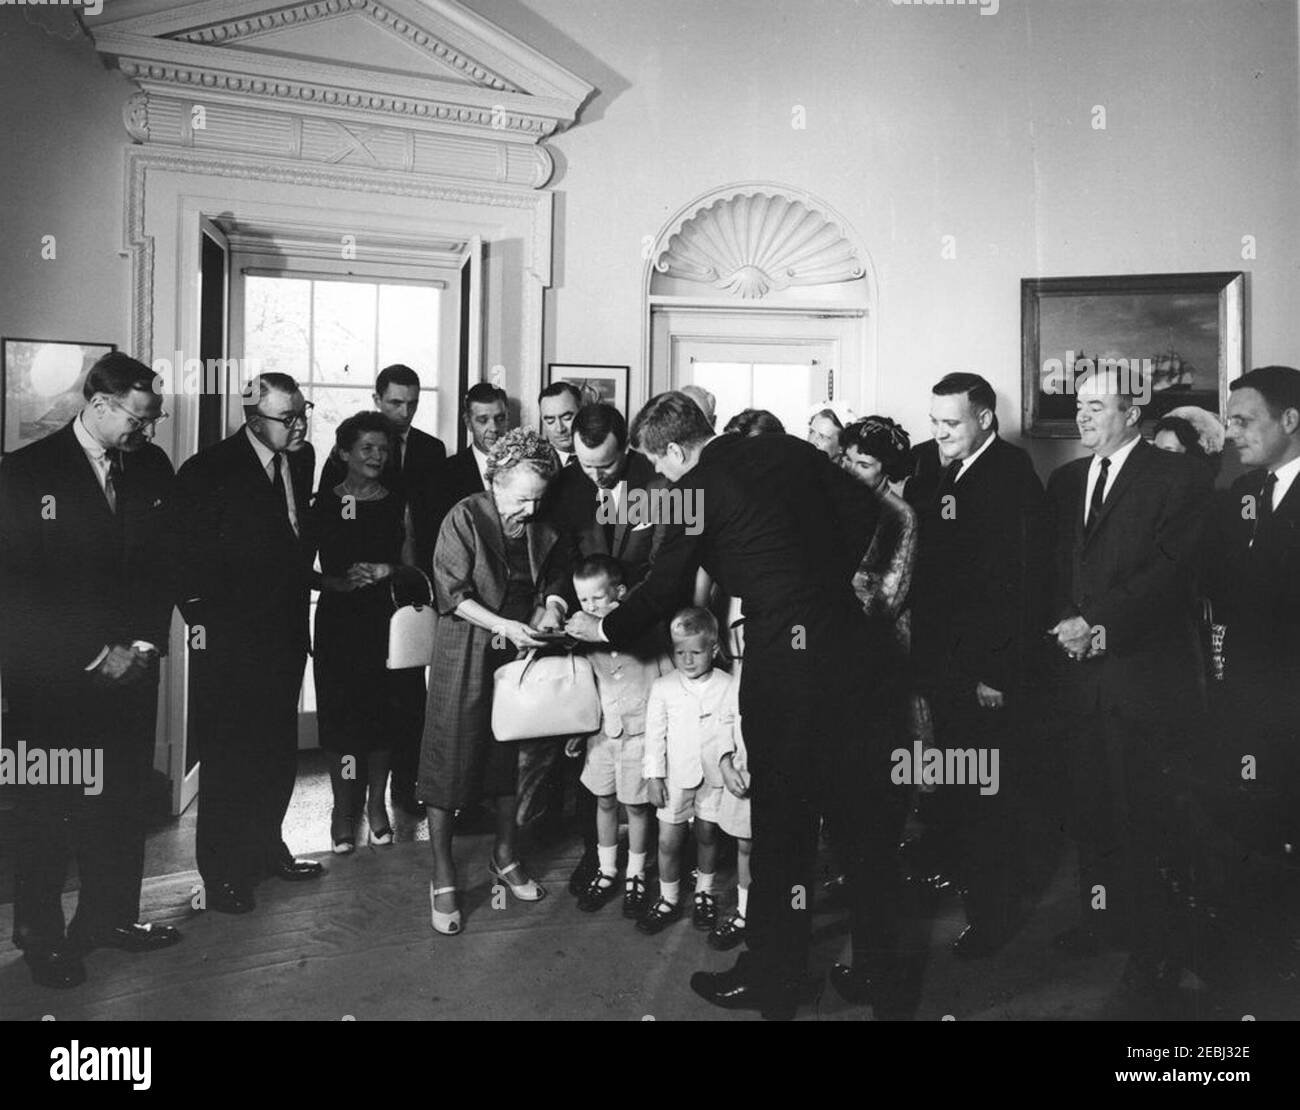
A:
1182, 332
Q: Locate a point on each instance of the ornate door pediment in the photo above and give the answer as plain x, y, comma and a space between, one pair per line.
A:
414, 86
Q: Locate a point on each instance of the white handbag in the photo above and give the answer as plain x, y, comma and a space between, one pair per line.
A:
549, 695
410, 631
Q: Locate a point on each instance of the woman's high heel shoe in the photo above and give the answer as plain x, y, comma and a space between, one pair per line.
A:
526, 890
448, 924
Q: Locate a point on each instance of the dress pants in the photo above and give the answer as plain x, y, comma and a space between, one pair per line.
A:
104, 832
1258, 716
1130, 784
818, 734
975, 832
249, 753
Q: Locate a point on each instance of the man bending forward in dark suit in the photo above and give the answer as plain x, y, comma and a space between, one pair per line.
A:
778, 524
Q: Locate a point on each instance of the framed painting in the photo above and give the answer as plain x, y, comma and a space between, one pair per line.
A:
594, 382
1179, 338
42, 380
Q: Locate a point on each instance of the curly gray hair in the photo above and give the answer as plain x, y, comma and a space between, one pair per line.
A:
522, 447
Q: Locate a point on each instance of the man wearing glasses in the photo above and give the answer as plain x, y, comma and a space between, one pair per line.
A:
86, 602
247, 586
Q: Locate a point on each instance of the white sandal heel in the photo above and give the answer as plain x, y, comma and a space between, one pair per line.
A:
527, 891
448, 924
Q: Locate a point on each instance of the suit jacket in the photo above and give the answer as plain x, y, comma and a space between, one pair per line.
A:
417, 481
979, 596
1132, 575
1255, 588
572, 505
74, 576
457, 477
247, 576
783, 528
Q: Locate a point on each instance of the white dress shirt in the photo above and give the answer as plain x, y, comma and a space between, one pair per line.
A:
685, 717
965, 464
267, 458
97, 456
1286, 475
96, 453
1117, 460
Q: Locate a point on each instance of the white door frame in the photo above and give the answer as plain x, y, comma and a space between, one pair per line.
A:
168, 196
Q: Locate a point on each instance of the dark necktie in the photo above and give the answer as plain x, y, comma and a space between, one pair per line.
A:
948, 480
1264, 510
398, 446
113, 482
572, 460
1098, 498
606, 507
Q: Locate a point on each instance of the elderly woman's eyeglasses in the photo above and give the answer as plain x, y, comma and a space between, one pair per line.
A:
294, 419
138, 423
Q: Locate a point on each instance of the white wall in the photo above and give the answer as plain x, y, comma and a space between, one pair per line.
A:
60, 175
924, 122
921, 122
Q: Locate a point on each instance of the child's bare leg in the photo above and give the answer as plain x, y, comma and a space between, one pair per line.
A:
706, 856
607, 820
671, 839
638, 828
607, 835
706, 838
743, 849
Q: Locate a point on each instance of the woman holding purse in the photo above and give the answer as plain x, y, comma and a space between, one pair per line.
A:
499, 575
361, 531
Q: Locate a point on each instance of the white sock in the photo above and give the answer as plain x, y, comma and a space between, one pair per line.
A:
742, 900
608, 858
636, 865
704, 883
669, 891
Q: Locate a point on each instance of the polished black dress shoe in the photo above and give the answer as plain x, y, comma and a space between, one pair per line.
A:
732, 992
976, 942
587, 869
57, 970
297, 870
226, 898
137, 937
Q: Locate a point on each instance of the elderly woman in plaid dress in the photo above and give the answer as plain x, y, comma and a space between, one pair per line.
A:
499, 574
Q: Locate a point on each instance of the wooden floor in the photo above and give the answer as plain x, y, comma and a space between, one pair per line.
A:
358, 943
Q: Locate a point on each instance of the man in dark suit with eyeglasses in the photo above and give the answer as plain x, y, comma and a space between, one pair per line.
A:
244, 504
85, 594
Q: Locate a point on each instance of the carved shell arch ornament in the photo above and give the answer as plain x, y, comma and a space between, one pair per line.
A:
751, 244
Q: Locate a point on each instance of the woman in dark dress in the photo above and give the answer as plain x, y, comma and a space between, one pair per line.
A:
361, 534
499, 574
